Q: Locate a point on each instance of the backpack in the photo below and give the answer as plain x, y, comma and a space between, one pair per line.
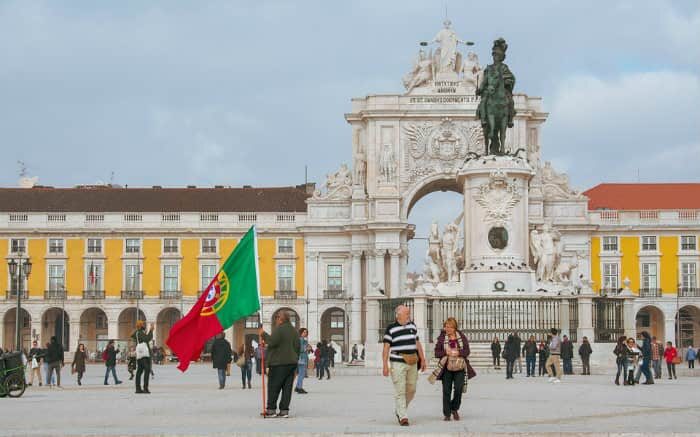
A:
105, 355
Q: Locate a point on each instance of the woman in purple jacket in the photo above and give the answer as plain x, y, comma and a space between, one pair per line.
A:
452, 348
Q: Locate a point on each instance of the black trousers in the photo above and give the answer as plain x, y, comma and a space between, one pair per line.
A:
671, 370
452, 388
496, 361
542, 361
510, 363
143, 367
586, 361
281, 379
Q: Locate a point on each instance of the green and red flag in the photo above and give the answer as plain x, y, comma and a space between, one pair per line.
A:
232, 294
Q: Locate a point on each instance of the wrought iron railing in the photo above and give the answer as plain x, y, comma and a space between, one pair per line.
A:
573, 320
608, 319
54, 294
170, 294
689, 292
334, 294
12, 294
649, 292
93, 294
608, 291
132, 294
285, 294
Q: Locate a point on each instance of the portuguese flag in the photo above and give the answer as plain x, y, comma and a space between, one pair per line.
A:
231, 295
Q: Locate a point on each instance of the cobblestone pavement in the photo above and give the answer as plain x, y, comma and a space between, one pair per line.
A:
191, 404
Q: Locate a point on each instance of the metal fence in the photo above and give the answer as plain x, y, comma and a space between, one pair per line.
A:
608, 319
573, 320
387, 313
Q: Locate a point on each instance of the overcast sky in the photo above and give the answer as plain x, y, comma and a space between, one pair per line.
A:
221, 92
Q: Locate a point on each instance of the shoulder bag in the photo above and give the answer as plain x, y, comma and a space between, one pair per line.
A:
141, 348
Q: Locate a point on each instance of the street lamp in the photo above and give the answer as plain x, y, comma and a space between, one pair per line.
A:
19, 271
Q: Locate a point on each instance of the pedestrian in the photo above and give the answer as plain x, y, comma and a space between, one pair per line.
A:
402, 356
543, 354
452, 351
78, 365
510, 354
259, 357
282, 361
585, 352
530, 352
567, 355
54, 358
131, 362
143, 355
331, 357
553, 365
317, 361
690, 356
517, 343
45, 366
646, 360
110, 357
303, 362
325, 359
632, 355
220, 358
657, 354
620, 352
36, 355
670, 354
496, 353
246, 350
354, 353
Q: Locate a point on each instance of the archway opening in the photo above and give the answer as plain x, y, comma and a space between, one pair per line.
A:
56, 323
688, 327
165, 320
93, 330
293, 317
651, 319
333, 330
127, 322
25, 330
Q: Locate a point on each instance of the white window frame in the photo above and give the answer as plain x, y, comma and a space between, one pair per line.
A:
60, 286
646, 275
202, 279
617, 243
87, 246
328, 277
126, 246
99, 284
608, 285
647, 240
334, 324
689, 279
279, 246
25, 246
212, 253
177, 243
178, 278
62, 246
127, 267
690, 238
278, 277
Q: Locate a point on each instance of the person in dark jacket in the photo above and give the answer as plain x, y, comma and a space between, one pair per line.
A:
620, 352
220, 358
111, 362
281, 360
518, 360
567, 355
510, 353
36, 354
530, 352
143, 364
645, 368
451, 343
543, 354
54, 360
496, 353
585, 352
247, 369
78, 365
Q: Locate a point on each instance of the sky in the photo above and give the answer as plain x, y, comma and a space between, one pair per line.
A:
207, 93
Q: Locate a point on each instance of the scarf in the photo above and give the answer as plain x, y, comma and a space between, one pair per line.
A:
443, 361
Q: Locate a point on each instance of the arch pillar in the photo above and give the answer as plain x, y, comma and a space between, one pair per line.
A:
356, 305
74, 330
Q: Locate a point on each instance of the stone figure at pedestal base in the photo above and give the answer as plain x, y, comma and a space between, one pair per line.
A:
545, 253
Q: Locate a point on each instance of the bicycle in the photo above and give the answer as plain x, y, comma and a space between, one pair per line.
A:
12, 381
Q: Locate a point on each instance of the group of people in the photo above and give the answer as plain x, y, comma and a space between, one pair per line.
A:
633, 359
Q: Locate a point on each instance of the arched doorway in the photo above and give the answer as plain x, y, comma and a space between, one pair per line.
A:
165, 320
127, 323
246, 330
9, 323
93, 329
293, 316
333, 329
651, 319
55, 322
688, 326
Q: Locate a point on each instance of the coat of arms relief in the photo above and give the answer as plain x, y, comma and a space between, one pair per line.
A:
498, 197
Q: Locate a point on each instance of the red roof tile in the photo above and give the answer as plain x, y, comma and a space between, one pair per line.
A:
633, 197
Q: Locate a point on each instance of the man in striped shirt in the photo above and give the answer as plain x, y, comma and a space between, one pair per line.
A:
402, 356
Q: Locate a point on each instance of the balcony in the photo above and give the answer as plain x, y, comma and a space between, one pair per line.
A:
54, 294
334, 294
132, 294
93, 294
689, 292
649, 292
285, 294
12, 294
170, 294
609, 291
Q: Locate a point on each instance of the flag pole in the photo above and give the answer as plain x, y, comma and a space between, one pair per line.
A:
261, 338
262, 372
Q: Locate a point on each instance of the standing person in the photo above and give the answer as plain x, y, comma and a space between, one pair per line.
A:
530, 352
510, 353
553, 365
496, 353
543, 354
54, 358
131, 362
620, 352
246, 350
585, 352
646, 360
282, 358
317, 361
259, 355
220, 358
690, 356
632, 355
325, 359
78, 365
670, 353
353, 355
567, 355
303, 362
110, 356
657, 354
331, 356
452, 349
519, 360
402, 356
143, 363
36, 355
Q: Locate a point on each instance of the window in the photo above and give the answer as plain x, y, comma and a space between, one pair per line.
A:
208, 245
101, 321
643, 319
649, 276
94, 245
208, 272
337, 320
133, 245
689, 276
335, 277
649, 243
285, 245
131, 277
252, 322
610, 244
688, 242
57, 277
18, 245
55, 245
170, 245
170, 278
610, 276
93, 277
285, 277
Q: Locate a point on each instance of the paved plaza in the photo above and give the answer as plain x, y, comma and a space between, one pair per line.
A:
191, 404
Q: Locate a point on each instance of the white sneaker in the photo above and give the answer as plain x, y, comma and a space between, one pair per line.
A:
557, 380
551, 379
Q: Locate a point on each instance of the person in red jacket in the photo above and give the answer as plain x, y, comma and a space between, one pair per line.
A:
669, 354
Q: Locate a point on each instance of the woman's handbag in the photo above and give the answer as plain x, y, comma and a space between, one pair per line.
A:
311, 365
240, 362
456, 364
228, 369
676, 360
141, 349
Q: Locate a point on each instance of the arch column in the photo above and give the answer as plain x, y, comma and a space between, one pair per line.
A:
379, 276
356, 305
670, 327
74, 329
394, 289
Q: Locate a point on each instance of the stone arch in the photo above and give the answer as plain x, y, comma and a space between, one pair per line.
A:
164, 321
333, 328
127, 322
651, 318
420, 189
9, 329
293, 316
53, 324
93, 328
688, 326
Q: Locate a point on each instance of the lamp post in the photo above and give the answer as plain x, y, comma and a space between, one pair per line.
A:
20, 269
